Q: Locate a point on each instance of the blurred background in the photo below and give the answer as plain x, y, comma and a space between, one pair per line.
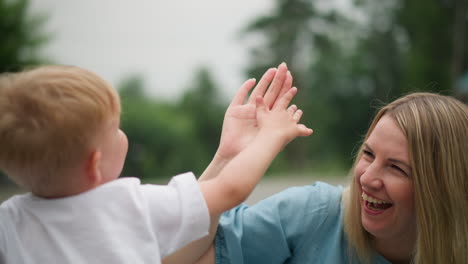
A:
176, 64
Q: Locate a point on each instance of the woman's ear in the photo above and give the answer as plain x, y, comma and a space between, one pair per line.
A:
93, 173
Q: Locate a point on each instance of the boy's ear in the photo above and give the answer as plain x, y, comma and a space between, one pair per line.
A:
93, 172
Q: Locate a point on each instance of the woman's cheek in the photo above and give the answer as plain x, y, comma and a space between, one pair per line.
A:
360, 168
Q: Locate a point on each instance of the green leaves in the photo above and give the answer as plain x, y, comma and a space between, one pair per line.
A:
344, 59
167, 138
21, 35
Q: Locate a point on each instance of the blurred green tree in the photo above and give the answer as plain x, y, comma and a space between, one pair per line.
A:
159, 134
347, 62
416, 45
365, 72
168, 138
203, 104
437, 32
22, 35
309, 39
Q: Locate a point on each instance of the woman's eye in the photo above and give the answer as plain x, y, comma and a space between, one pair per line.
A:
399, 169
368, 153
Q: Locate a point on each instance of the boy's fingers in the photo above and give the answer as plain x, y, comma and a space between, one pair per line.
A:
262, 84
284, 101
286, 86
292, 109
304, 131
241, 94
276, 85
297, 115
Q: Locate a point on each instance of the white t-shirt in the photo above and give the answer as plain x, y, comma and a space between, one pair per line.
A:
119, 222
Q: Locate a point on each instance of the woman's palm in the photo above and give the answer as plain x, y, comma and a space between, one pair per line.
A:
239, 128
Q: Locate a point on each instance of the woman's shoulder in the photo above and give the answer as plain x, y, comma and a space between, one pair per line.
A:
294, 207
316, 194
310, 214
310, 205
290, 220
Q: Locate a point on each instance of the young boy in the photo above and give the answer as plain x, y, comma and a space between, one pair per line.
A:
60, 140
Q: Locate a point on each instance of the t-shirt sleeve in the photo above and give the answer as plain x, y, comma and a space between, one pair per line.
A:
178, 212
271, 230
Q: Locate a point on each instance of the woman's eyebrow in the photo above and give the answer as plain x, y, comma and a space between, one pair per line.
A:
400, 162
367, 147
391, 159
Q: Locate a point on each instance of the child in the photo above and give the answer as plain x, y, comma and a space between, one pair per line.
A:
60, 140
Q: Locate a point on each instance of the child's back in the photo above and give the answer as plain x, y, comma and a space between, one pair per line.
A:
60, 138
118, 222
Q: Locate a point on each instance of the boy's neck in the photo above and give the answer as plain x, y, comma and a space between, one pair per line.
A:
71, 190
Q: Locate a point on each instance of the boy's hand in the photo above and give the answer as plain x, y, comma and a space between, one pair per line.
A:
240, 123
280, 124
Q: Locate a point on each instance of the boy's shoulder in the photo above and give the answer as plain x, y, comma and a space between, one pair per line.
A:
125, 190
124, 182
31, 201
13, 202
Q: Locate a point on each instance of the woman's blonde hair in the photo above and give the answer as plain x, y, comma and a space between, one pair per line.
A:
436, 128
49, 118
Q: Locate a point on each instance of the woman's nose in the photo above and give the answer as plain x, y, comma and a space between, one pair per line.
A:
371, 177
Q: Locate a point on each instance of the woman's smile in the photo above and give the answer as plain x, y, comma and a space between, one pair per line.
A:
382, 172
374, 206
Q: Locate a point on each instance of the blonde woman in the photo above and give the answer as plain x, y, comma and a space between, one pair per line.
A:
435, 130
407, 201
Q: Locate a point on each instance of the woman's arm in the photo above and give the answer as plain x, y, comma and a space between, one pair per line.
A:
239, 129
209, 257
287, 226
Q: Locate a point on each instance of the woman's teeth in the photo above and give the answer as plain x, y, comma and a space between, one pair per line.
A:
375, 204
372, 200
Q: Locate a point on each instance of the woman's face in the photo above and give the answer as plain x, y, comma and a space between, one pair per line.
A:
383, 175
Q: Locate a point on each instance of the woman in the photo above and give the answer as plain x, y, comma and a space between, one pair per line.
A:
407, 201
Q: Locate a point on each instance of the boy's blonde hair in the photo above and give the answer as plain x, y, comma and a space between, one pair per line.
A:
436, 128
50, 117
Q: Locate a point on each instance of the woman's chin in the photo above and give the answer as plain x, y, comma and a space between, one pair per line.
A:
377, 223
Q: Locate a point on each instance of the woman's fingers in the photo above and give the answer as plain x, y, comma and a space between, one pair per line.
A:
275, 88
262, 84
241, 94
260, 103
286, 86
283, 101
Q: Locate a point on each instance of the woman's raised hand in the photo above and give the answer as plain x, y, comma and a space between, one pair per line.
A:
240, 123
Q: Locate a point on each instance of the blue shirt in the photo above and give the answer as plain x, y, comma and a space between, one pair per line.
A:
299, 225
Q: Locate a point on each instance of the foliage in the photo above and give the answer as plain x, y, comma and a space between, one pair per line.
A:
344, 62
345, 65
204, 106
166, 139
22, 35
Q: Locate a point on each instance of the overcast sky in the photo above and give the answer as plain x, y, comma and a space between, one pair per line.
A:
165, 41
